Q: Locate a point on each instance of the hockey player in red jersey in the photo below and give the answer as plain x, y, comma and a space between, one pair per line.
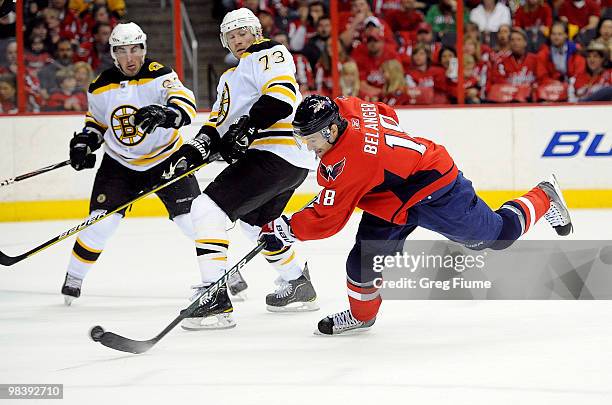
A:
400, 182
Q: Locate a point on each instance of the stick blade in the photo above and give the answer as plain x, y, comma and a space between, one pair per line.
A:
8, 260
117, 342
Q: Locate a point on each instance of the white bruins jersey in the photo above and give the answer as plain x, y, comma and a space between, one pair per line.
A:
113, 100
266, 67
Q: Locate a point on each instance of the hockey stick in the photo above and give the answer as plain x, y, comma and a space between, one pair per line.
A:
10, 260
117, 342
34, 173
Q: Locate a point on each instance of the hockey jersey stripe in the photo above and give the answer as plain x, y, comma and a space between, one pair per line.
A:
150, 158
181, 93
276, 133
274, 141
114, 86
184, 100
183, 105
278, 79
282, 91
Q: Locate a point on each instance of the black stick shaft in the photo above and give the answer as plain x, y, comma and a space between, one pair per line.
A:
34, 173
6, 260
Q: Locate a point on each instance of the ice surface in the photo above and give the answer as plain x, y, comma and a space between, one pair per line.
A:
419, 352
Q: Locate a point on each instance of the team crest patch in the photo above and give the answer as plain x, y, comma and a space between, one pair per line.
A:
169, 84
331, 172
224, 105
122, 125
153, 66
101, 198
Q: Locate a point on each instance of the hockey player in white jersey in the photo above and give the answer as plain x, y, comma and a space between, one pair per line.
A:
250, 125
135, 110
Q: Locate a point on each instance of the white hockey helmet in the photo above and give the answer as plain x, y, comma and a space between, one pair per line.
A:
127, 34
241, 18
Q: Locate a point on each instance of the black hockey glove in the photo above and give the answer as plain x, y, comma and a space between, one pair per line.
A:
193, 153
237, 139
82, 146
152, 116
277, 234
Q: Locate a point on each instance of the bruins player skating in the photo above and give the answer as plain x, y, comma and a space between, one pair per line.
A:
135, 110
255, 105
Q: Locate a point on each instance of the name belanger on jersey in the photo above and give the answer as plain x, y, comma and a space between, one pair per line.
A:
265, 68
114, 99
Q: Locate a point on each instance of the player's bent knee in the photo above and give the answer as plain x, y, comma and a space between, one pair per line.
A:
250, 231
102, 230
185, 224
205, 212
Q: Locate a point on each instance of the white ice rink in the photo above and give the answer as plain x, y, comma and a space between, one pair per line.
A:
419, 352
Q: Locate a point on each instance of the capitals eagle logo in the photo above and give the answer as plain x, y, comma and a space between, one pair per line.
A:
331, 172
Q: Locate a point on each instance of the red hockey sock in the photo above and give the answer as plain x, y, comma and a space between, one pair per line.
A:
364, 302
534, 204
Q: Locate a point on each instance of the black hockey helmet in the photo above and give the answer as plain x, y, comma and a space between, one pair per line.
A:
316, 113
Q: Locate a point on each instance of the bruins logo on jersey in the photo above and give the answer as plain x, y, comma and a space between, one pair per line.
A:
224, 105
123, 128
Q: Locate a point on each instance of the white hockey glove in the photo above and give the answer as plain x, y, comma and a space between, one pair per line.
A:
277, 234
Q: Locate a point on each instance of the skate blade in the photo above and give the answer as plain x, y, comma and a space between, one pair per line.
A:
350, 332
68, 300
222, 321
563, 230
309, 306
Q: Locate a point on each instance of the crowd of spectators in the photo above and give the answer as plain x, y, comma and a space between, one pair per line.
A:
404, 51
65, 46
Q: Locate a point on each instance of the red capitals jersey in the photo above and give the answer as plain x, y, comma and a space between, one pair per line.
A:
369, 66
510, 70
376, 166
586, 84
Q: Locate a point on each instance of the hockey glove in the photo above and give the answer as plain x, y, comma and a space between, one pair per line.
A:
236, 140
82, 146
152, 116
277, 234
191, 154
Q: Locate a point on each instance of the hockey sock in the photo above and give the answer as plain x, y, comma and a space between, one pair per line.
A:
211, 240
284, 261
364, 299
89, 245
520, 214
185, 225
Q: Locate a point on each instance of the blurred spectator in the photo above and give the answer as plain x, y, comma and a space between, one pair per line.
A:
375, 24
369, 56
384, 7
596, 76
7, 26
518, 70
446, 55
83, 74
67, 97
604, 33
489, 15
316, 10
8, 95
501, 49
53, 22
64, 57
36, 56
313, 49
38, 29
303, 70
34, 96
350, 81
583, 13
425, 38
394, 91
441, 17
98, 14
561, 60
406, 19
116, 7
70, 26
353, 23
268, 27
97, 53
428, 79
301, 29
534, 15
471, 81
480, 69
323, 72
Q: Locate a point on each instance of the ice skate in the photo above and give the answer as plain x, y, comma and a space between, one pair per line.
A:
71, 289
342, 323
237, 286
213, 313
558, 215
293, 296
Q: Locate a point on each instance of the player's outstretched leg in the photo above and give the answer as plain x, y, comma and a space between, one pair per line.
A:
558, 215
342, 323
87, 248
296, 295
213, 313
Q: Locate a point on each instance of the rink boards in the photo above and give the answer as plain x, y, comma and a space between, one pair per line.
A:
502, 150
